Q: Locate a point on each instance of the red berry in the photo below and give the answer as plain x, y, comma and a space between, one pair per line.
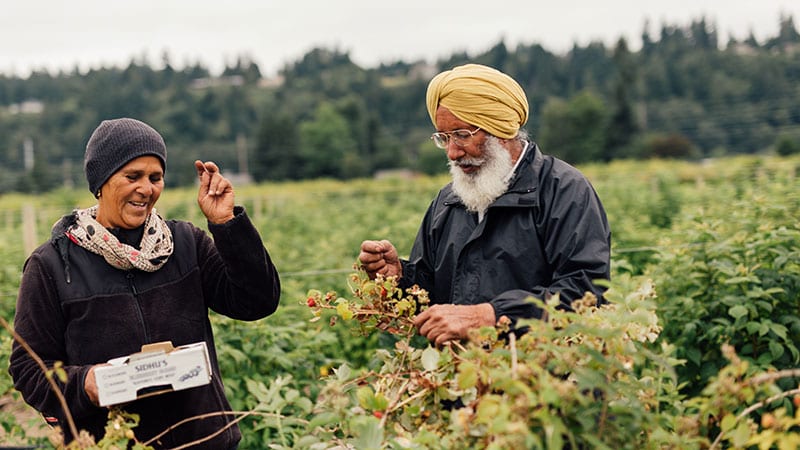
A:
377, 414
383, 291
311, 302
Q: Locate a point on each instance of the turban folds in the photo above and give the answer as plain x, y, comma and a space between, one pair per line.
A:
481, 96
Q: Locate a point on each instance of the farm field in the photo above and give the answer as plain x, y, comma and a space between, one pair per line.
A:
719, 239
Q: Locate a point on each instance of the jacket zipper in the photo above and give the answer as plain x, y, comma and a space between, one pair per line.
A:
129, 276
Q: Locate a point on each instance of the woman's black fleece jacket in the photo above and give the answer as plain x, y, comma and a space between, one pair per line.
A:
75, 308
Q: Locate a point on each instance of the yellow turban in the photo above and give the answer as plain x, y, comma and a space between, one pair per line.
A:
481, 96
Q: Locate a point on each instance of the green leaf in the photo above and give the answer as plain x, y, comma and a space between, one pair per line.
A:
365, 397
776, 349
553, 431
343, 310
322, 419
237, 355
379, 402
737, 311
467, 375
487, 410
370, 434
694, 356
258, 390
430, 359
403, 306
343, 372
549, 396
741, 435
728, 422
741, 280
795, 353
305, 404
779, 330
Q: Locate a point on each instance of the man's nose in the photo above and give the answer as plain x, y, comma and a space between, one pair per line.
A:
454, 151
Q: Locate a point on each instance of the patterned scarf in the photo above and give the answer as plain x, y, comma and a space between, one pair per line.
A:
156, 245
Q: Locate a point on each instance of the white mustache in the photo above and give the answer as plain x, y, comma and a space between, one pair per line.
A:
464, 162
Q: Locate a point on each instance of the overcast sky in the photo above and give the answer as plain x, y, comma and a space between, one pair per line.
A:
62, 34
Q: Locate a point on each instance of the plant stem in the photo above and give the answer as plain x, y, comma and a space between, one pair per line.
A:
756, 406
72, 428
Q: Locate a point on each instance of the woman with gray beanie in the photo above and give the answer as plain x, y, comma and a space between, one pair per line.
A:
116, 276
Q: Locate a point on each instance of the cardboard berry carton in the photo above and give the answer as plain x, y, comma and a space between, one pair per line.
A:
158, 368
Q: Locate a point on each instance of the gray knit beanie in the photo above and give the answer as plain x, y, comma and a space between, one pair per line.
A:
115, 143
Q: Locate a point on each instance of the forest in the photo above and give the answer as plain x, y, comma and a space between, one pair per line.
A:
683, 94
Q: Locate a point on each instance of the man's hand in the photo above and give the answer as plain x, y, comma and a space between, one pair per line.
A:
442, 323
215, 195
380, 257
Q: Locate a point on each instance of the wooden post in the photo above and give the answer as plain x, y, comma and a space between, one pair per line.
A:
29, 228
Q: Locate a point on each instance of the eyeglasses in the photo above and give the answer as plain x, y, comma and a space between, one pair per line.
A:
442, 138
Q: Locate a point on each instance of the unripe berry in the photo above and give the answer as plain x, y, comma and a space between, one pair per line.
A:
767, 420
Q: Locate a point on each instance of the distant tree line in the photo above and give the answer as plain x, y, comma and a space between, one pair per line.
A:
682, 95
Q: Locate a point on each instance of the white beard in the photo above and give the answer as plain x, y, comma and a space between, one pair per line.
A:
478, 190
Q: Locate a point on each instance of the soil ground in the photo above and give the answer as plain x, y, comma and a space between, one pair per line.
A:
26, 417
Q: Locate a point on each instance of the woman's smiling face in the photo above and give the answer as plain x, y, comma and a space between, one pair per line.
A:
129, 195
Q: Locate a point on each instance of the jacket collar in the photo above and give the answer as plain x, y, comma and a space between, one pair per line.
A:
523, 186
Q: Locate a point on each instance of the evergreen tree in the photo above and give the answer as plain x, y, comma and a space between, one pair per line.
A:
276, 155
575, 130
622, 125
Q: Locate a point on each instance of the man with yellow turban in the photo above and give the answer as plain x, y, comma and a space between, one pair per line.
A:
513, 224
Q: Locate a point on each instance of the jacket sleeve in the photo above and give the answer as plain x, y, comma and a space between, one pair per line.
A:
576, 237
39, 322
239, 278
418, 269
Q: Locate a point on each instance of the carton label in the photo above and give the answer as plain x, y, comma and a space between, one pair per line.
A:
151, 373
